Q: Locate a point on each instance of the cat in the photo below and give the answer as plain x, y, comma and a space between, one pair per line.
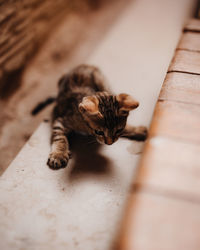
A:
85, 104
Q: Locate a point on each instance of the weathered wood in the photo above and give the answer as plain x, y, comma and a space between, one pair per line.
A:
171, 166
190, 41
179, 120
155, 222
186, 61
193, 26
163, 209
181, 88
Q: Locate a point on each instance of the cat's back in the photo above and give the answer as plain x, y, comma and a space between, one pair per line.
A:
84, 70
83, 75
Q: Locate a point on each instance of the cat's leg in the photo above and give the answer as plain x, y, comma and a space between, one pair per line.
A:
60, 154
135, 133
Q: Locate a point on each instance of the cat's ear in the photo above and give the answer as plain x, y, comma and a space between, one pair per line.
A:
89, 105
126, 102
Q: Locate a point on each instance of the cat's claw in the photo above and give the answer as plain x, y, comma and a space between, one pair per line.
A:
57, 160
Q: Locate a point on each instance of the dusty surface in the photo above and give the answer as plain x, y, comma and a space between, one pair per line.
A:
73, 40
75, 208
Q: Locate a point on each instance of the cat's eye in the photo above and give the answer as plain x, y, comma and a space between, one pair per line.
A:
98, 132
123, 112
119, 130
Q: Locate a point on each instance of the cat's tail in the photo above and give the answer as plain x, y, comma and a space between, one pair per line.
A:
42, 105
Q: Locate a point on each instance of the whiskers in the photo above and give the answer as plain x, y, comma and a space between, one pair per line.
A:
92, 141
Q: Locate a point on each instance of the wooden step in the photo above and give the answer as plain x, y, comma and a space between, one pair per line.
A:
163, 209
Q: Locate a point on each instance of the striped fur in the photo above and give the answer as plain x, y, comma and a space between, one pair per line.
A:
84, 104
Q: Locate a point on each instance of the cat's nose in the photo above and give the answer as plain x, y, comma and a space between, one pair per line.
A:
109, 141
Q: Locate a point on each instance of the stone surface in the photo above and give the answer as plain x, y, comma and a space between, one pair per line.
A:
75, 208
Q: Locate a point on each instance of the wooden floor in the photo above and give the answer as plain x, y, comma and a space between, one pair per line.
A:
164, 206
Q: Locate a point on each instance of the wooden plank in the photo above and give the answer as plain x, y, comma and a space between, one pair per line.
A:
177, 120
186, 61
181, 88
193, 26
171, 165
155, 222
190, 41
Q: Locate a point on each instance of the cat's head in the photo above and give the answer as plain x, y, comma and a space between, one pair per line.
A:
106, 115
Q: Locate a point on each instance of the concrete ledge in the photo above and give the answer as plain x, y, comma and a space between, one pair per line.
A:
74, 207
163, 209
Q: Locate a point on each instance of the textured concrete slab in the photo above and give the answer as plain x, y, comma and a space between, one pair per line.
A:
75, 208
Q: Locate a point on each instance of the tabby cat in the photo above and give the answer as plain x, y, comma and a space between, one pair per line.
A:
85, 105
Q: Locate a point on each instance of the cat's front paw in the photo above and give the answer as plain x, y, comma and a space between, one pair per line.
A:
58, 160
141, 133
